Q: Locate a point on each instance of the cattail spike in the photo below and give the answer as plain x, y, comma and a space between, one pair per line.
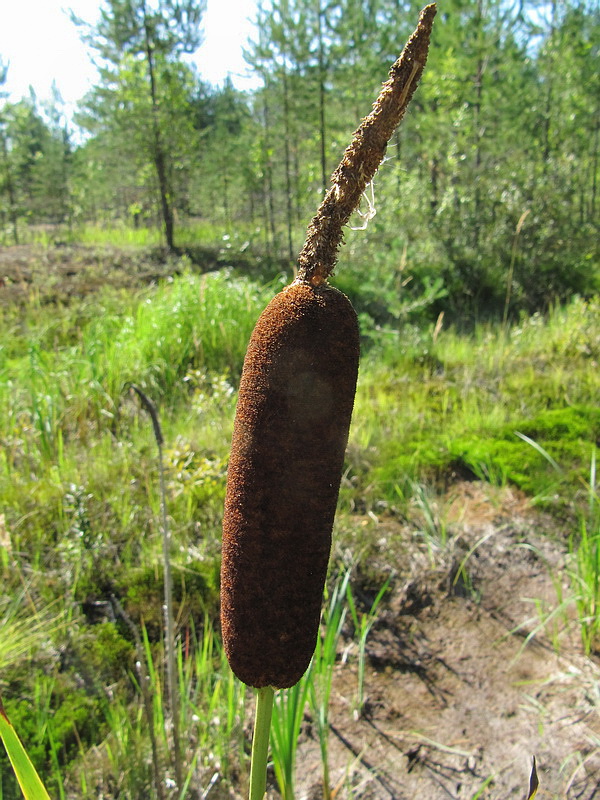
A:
292, 421
290, 434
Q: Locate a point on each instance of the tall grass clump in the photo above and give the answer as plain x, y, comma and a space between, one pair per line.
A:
135, 758
363, 621
25, 630
194, 320
309, 699
583, 568
322, 669
288, 715
49, 393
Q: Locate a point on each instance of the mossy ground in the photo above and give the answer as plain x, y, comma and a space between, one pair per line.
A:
513, 407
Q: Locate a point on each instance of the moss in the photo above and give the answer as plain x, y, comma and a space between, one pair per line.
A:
575, 422
57, 728
104, 652
557, 457
195, 593
498, 455
427, 457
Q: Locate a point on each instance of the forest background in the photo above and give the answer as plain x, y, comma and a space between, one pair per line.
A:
502, 137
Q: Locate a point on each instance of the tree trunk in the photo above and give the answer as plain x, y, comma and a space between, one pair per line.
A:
594, 169
159, 156
322, 129
288, 166
549, 94
477, 124
10, 188
268, 172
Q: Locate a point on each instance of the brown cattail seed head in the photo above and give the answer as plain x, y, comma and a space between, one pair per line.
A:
290, 434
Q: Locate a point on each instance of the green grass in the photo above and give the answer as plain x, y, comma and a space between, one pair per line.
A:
454, 407
81, 507
51, 390
119, 234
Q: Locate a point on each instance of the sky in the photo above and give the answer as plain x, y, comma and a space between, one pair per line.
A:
42, 45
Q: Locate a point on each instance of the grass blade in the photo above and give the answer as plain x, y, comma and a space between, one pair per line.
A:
29, 780
555, 466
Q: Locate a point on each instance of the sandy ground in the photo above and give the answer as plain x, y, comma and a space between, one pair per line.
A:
464, 684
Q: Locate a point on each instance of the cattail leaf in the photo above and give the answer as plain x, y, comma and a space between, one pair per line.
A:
29, 781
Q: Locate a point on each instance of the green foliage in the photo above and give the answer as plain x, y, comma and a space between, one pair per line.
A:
199, 478
35, 156
565, 434
464, 401
485, 207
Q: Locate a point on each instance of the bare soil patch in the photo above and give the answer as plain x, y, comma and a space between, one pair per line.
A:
58, 273
464, 686
55, 274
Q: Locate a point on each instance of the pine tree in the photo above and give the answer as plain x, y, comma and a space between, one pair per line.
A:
140, 46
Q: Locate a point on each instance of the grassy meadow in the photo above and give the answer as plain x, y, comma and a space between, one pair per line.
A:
81, 607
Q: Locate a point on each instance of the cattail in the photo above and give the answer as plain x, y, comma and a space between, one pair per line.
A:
290, 434
292, 420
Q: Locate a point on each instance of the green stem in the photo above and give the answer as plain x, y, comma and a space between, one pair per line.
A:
260, 743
